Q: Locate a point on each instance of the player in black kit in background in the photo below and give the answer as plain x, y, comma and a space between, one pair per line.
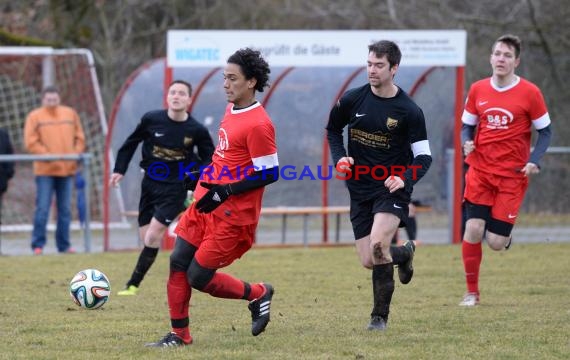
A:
386, 130
169, 138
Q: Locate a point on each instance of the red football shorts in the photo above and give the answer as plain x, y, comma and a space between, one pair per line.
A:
503, 194
219, 243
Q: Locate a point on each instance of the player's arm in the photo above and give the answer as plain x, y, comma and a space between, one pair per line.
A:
205, 146
542, 143
467, 136
467, 133
421, 152
79, 141
420, 164
469, 120
261, 140
32, 139
218, 193
338, 119
127, 150
541, 122
257, 179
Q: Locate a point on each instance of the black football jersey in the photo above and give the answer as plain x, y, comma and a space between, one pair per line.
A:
168, 146
380, 133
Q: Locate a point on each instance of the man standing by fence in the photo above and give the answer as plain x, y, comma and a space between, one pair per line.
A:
53, 129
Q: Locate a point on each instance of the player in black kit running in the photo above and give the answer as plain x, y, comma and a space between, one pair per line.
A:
388, 152
169, 139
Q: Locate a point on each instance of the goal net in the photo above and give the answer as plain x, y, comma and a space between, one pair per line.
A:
24, 72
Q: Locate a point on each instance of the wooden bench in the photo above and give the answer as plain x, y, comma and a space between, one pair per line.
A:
131, 213
286, 211
305, 211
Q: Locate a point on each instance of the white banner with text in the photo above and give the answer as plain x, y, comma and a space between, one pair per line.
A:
320, 48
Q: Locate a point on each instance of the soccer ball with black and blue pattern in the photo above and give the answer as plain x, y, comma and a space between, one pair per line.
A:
90, 289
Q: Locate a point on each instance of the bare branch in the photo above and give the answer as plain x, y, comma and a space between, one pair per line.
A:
545, 45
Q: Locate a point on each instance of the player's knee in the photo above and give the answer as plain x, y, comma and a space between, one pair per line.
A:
367, 262
496, 246
182, 255
199, 276
498, 234
365, 258
178, 262
496, 242
153, 241
474, 229
381, 254
154, 235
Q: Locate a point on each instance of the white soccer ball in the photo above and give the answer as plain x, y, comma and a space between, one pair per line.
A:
90, 289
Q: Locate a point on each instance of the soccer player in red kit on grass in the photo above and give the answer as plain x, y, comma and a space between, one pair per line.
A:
220, 226
497, 120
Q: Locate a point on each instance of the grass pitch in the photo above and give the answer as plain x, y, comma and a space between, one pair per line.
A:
320, 309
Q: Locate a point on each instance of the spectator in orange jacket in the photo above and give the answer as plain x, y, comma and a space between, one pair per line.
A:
53, 129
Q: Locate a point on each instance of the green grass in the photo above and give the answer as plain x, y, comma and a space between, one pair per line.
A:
320, 309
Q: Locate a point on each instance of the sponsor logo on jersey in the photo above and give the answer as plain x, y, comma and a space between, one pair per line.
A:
223, 142
391, 124
498, 118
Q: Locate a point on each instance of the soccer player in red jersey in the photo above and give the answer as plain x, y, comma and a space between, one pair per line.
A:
220, 226
497, 120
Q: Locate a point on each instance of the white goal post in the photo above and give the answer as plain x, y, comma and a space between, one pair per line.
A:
24, 73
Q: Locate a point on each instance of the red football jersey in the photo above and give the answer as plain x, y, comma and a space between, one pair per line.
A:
246, 143
503, 117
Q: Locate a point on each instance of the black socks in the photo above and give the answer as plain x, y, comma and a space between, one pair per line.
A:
382, 288
146, 259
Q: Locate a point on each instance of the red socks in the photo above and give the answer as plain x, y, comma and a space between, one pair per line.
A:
257, 291
222, 285
228, 287
472, 256
184, 334
179, 293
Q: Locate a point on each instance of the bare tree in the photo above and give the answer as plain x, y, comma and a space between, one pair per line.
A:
125, 34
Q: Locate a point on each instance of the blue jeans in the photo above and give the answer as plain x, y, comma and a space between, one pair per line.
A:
45, 187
